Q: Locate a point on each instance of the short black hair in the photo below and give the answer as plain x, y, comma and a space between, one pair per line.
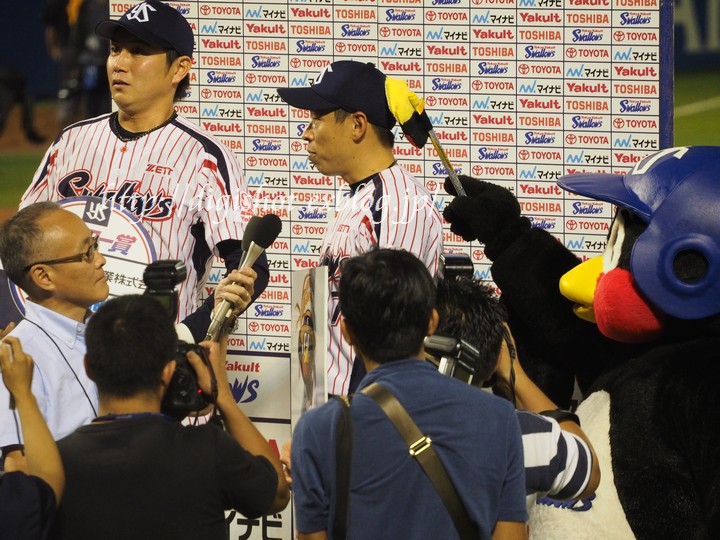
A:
386, 298
469, 309
129, 341
21, 241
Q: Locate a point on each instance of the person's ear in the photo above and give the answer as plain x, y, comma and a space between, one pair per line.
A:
182, 68
433, 322
41, 278
360, 125
346, 332
167, 374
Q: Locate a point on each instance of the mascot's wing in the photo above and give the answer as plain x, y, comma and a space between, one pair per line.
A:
556, 346
553, 339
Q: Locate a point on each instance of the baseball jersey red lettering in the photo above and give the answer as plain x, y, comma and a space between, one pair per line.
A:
186, 188
388, 210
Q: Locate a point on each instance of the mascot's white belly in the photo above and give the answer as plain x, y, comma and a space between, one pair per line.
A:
605, 518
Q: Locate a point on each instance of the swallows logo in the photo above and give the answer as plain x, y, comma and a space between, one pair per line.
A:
141, 13
149, 206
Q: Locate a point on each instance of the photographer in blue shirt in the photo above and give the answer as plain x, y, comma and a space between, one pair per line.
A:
387, 300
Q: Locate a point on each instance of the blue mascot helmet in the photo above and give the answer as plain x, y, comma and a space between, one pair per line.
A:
677, 193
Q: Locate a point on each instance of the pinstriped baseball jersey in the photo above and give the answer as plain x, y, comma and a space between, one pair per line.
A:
388, 210
185, 186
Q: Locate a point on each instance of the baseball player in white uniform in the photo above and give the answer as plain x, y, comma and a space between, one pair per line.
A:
350, 136
185, 187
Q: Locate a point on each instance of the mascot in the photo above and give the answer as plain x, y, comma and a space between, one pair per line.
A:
638, 328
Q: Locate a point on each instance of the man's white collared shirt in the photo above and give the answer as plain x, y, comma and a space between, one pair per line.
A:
66, 396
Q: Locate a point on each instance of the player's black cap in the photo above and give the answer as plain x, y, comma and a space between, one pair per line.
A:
349, 85
155, 23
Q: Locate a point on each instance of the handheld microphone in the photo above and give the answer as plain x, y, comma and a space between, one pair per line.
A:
250, 234
260, 233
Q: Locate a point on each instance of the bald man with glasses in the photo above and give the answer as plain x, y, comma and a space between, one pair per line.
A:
51, 254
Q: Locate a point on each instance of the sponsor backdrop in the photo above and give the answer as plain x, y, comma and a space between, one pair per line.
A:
520, 92
697, 40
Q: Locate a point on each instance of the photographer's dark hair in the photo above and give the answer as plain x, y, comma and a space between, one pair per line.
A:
386, 298
129, 341
470, 310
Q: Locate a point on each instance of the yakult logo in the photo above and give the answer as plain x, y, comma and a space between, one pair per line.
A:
140, 13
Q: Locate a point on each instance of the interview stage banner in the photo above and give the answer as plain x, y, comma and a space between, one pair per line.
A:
520, 92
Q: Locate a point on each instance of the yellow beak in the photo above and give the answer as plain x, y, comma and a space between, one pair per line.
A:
578, 285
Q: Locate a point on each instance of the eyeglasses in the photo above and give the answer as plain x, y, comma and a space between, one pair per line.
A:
87, 256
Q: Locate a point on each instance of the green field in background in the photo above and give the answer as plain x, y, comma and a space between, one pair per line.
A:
16, 172
703, 127
699, 128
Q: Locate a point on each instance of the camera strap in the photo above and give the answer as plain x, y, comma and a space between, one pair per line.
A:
420, 448
343, 457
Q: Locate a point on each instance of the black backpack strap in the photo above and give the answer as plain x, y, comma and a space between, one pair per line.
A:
343, 457
420, 448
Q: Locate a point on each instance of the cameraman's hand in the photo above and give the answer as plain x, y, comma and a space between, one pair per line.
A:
5, 331
236, 422
237, 288
17, 368
216, 357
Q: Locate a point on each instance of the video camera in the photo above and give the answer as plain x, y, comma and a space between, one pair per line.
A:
452, 357
452, 265
183, 395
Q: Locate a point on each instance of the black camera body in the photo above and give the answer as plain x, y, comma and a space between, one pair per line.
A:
452, 265
453, 357
183, 395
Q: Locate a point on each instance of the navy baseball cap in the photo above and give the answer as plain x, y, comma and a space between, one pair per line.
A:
155, 23
349, 85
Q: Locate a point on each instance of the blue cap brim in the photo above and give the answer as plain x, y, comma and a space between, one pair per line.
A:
306, 99
605, 187
108, 30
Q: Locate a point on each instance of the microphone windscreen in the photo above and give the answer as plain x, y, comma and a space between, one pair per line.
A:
267, 231
250, 231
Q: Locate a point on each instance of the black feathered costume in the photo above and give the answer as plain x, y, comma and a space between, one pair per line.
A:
651, 403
